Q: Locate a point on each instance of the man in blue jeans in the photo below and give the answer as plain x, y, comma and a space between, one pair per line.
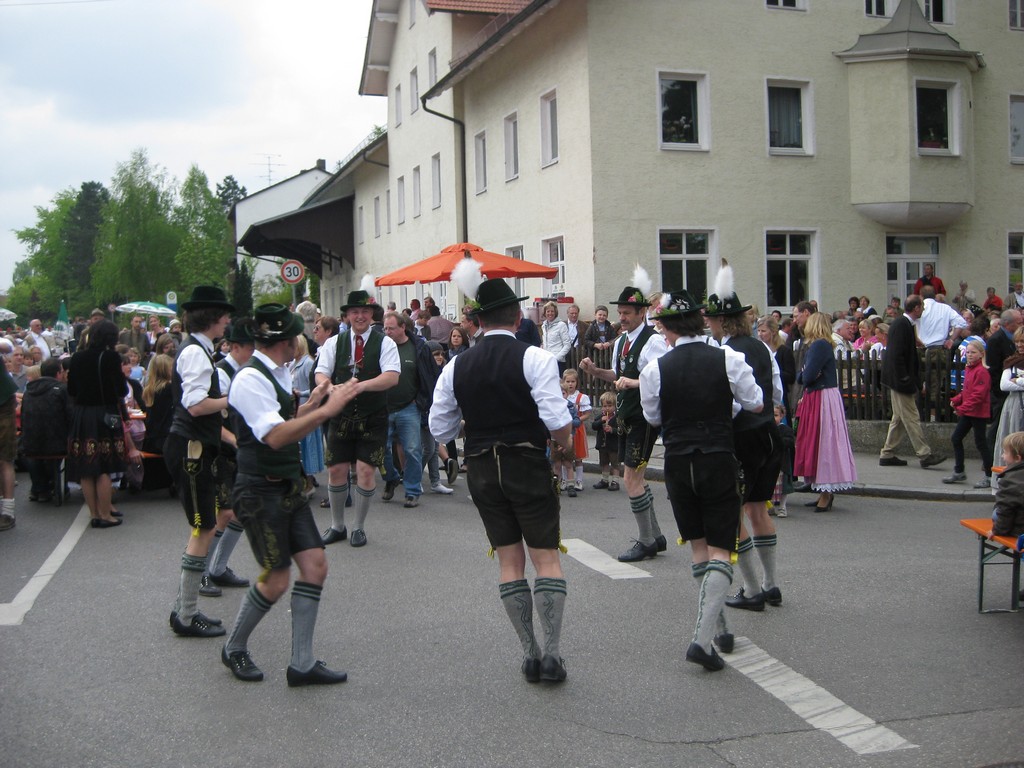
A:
407, 402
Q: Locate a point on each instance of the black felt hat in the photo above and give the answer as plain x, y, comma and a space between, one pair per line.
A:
358, 299
275, 322
632, 296
676, 304
724, 300
241, 331
494, 294
208, 296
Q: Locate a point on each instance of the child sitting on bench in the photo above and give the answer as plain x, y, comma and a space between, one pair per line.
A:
1008, 515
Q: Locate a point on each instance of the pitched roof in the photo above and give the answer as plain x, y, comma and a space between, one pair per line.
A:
477, 6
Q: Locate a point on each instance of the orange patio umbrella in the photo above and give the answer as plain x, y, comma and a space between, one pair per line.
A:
439, 266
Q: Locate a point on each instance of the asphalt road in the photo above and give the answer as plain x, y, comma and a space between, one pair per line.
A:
879, 620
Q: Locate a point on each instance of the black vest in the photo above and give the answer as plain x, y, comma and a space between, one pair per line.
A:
256, 458
366, 403
495, 397
205, 429
696, 400
627, 402
759, 358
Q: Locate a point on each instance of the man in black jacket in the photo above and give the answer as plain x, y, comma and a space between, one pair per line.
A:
45, 417
901, 374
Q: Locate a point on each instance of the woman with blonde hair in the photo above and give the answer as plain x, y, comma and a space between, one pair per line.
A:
158, 403
823, 452
555, 334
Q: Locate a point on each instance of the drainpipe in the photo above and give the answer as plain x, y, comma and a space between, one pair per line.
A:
462, 141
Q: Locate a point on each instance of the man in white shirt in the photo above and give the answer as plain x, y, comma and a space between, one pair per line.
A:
938, 321
35, 333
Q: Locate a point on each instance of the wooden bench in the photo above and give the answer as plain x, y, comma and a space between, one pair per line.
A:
995, 550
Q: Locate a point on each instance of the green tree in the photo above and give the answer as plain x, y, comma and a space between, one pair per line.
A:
81, 228
314, 288
229, 192
136, 247
241, 294
39, 280
207, 245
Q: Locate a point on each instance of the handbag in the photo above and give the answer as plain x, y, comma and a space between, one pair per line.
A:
112, 421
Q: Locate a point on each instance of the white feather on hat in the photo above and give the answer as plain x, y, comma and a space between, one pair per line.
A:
366, 284
641, 280
724, 283
468, 277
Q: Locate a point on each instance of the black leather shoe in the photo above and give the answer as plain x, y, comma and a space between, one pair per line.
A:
552, 669
932, 460
198, 627
601, 484
358, 538
661, 543
725, 642
241, 665
200, 614
411, 502
206, 589
452, 470
892, 461
638, 552
332, 535
389, 490
318, 675
740, 600
229, 579
772, 596
531, 670
801, 487
712, 662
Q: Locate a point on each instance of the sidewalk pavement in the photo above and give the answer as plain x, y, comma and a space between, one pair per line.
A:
909, 482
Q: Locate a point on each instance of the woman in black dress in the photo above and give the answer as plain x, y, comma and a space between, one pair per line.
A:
96, 444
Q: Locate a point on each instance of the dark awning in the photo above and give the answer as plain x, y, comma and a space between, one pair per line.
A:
318, 235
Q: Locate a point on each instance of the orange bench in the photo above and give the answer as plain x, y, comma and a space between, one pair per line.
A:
995, 548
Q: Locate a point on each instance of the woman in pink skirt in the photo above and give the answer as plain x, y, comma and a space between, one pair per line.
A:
823, 453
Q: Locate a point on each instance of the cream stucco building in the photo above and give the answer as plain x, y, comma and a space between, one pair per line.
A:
824, 148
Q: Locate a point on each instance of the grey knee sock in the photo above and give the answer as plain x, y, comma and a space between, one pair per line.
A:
253, 608
764, 546
713, 589
699, 569
305, 604
224, 549
188, 587
745, 560
362, 506
337, 494
655, 528
641, 511
549, 600
518, 602
211, 553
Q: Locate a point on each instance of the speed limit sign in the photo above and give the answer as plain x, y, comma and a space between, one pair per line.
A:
293, 272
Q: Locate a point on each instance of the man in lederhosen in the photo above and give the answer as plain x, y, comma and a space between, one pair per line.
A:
270, 500
690, 392
359, 433
509, 474
637, 346
192, 447
218, 574
758, 447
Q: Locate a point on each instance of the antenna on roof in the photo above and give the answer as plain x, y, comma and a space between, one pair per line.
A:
270, 165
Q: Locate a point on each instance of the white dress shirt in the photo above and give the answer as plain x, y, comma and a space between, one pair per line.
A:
653, 349
745, 391
195, 367
328, 352
541, 372
936, 320
255, 398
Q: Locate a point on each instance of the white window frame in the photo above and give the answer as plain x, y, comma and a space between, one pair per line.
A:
1016, 9
554, 288
806, 89
398, 105
1017, 100
376, 216
360, 234
417, 198
953, 117
549, 128
387, 211
414, 91
786, 5
812, 259
871, 8
516, 252
709, 258
432, 68
435, 181
703, 143
480, 161
1014, 259
400, 192
511, 125
929, 7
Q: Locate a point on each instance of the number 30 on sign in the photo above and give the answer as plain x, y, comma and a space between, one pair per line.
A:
293, 272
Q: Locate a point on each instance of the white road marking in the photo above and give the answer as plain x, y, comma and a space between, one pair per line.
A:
13, 613
592, 557
813, 703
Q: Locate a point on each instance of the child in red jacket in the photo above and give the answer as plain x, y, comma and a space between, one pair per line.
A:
973, 405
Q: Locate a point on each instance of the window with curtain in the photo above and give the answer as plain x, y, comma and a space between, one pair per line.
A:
785, 117
787, 268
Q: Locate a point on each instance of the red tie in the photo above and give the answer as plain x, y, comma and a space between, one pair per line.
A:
359, 351
625, 347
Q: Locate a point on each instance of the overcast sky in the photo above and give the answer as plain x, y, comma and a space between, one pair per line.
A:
224, 84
